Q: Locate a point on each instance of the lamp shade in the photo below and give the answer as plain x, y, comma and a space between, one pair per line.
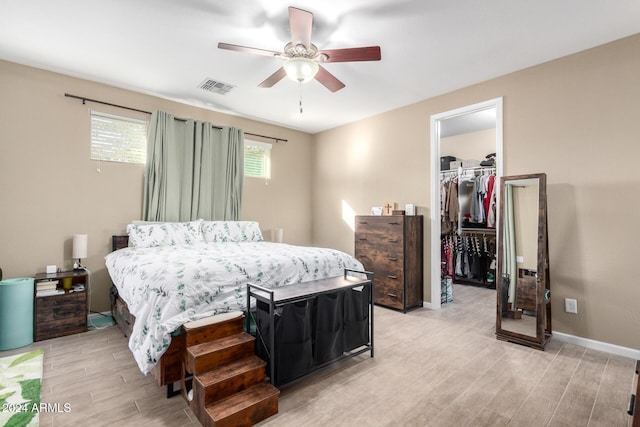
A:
301, 69
276, 235
79, 246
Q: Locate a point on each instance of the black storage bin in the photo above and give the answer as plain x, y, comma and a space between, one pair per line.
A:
293, 338
262, 331
356, 317
328, 327
445, 162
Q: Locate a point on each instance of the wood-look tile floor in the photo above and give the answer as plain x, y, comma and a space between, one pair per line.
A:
431, 368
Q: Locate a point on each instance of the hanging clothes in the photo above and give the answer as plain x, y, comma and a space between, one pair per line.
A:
466, 190
491, 212
449, 205
447, 256
467, 200
478, 215
453, 204
489, 193
509, 253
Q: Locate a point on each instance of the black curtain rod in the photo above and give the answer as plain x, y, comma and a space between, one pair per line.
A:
84, 100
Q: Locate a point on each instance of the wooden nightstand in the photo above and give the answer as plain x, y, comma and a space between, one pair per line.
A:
61, 314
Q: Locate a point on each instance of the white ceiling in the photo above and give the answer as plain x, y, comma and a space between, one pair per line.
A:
470, 122
429, 47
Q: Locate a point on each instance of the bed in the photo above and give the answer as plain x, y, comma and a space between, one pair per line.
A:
172, 273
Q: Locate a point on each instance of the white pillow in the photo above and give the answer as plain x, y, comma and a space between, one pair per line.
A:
231, 231
163, 234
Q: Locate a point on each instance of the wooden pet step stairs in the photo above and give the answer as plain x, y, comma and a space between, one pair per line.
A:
229, 386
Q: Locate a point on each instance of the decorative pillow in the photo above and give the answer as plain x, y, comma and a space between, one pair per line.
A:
231, 231
163, 234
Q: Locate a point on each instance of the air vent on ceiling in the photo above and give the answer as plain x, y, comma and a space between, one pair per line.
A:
216, 86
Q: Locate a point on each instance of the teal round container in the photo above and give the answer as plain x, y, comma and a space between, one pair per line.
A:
16, 313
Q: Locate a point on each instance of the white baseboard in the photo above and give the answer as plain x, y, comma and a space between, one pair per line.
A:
427, 305
597, 345
93, 316
631, 353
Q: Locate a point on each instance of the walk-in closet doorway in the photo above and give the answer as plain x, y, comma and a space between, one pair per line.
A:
443, 126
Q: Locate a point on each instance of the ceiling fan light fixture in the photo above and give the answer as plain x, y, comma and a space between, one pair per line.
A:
302, 58
300, 69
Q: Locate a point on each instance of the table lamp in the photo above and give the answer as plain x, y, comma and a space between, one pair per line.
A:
79, 250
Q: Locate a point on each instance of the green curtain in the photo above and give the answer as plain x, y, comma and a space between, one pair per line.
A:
510, 267
194, 170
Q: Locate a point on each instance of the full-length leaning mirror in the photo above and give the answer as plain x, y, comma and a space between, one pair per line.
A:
523, 289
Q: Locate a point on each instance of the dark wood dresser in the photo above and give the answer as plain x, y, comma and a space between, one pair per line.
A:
392, 248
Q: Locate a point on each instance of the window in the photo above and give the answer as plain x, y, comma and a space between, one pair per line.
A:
257, 159
118, 138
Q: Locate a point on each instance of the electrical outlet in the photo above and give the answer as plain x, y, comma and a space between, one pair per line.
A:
571, 305
520, 259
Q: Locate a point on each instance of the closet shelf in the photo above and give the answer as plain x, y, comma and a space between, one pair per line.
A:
478, 230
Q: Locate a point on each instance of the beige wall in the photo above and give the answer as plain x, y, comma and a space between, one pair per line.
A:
470, 145
50, 190
577, 120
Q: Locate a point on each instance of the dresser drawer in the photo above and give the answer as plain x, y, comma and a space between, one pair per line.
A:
388, 292
60, 315
384, 270
66, 326
59, 307
385, 222
376, 230
381, 262
391, 243
122, 316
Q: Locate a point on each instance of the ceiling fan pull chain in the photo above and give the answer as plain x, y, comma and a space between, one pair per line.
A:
300, 97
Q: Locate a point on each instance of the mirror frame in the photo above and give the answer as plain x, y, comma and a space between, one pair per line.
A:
543, 308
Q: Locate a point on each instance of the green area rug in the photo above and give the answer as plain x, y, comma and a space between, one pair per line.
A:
20, 383
100, 321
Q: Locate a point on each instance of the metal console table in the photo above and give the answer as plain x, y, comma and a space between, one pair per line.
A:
354, 287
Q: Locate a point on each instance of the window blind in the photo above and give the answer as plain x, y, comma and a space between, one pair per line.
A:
117, 138
257, 159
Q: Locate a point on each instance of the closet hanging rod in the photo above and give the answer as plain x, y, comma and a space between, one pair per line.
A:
451, 171
471, 169
481, 170
84, 100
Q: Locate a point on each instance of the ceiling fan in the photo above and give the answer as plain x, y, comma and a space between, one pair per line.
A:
302, 58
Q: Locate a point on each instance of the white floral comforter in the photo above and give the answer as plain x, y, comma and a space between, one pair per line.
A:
166, 286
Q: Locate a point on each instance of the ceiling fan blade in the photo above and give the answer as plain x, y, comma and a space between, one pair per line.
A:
370, 53
301, 22
329, 80
246, 49
274, 78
